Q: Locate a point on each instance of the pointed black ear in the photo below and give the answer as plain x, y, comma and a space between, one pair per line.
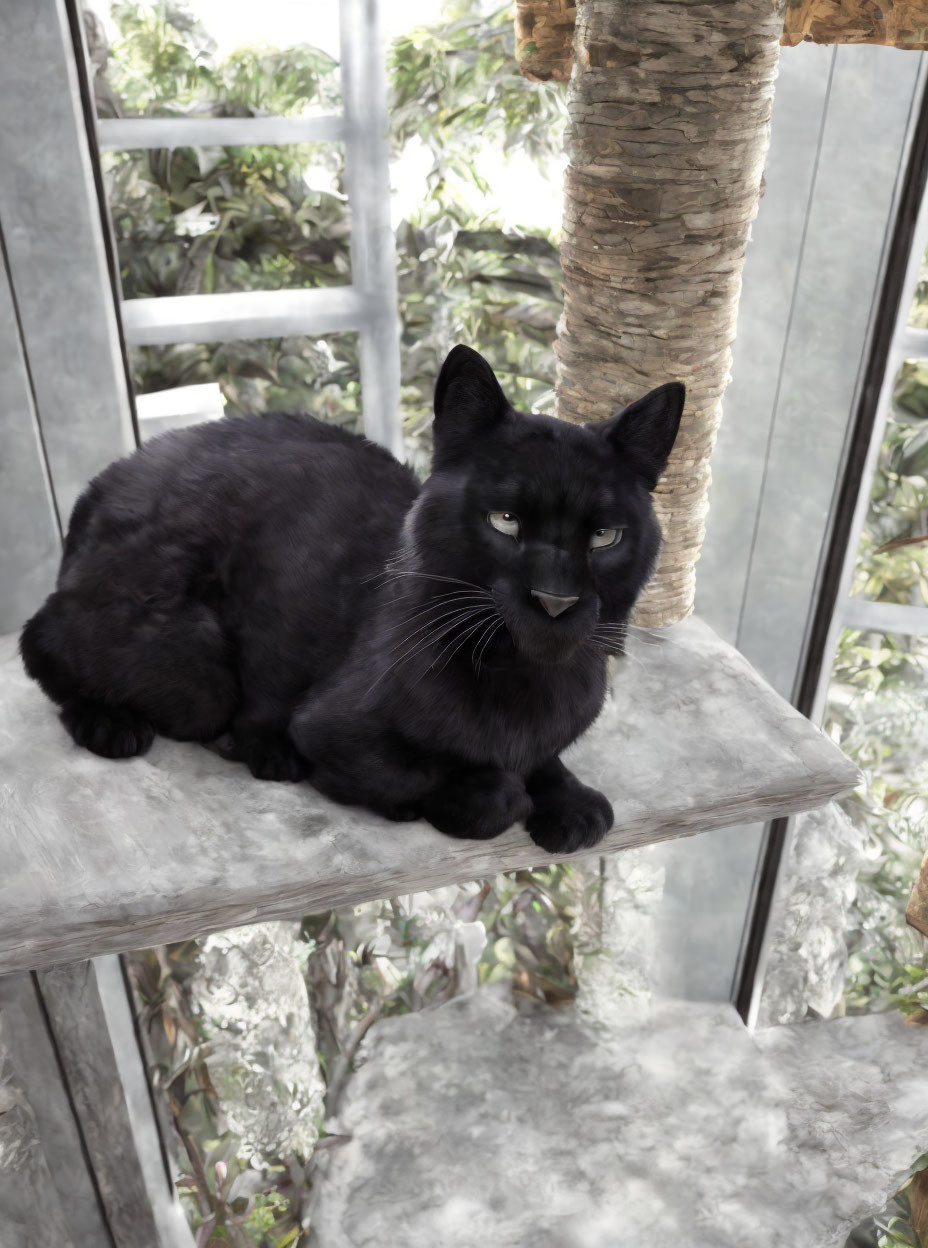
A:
644, 432
467, 392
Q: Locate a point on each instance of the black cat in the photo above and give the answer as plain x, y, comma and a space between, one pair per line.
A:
289, 590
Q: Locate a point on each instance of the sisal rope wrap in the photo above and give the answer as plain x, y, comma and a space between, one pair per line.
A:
669, 109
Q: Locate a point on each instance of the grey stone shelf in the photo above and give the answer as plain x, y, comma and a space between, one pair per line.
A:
672, 1124
100, 857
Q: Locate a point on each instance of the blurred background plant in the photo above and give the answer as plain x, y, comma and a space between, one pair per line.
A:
193, 220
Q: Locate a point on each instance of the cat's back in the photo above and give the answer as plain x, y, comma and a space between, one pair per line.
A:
213, 482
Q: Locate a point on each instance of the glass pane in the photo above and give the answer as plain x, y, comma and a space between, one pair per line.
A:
193, 221
892, 559
212, 58
878, 713
315, 375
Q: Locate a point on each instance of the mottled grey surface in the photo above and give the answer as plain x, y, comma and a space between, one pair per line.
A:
31, 544
101, 856
473, 1125
30, 1210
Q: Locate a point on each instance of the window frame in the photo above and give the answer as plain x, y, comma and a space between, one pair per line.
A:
368, 306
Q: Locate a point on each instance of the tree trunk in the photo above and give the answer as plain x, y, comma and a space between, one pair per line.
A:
669, 108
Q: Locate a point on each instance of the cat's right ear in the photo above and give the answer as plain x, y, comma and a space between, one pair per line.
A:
468, 399
645, 431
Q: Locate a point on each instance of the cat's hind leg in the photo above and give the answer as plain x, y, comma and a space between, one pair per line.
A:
122, 671
112, 731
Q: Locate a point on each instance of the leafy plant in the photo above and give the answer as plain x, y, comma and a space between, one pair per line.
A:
197, 220
227, 1201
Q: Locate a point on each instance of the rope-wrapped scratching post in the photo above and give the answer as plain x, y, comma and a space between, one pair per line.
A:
544, 38
669, 109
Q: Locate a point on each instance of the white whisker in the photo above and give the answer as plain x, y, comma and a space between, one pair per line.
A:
423, 643
486, 639
451, 580
460, 609
460, 599
454, 646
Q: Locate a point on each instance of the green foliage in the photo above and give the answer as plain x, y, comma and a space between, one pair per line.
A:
892, 1226
227, 1201
264, 375
197, 220
892, 562
163, 64
878, 713
455, 88
391, 957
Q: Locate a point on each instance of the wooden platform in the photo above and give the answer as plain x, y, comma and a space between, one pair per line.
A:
102, 856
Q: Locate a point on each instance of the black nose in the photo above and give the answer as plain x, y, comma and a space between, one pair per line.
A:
554, 604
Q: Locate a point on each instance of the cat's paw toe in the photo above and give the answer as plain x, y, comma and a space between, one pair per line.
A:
401, 814
111, 732
273, 757
479, 806
501, 810
567, 821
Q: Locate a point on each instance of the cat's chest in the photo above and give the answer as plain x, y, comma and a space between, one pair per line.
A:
519, 722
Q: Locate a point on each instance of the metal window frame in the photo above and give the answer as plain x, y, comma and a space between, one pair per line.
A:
369, 305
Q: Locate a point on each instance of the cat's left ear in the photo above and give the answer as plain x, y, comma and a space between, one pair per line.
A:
644, 432
468, 398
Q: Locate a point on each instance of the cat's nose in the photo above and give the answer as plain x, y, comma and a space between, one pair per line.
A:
554, 604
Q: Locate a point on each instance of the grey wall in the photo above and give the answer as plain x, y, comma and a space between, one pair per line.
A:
29, 536
63, 388
839, 133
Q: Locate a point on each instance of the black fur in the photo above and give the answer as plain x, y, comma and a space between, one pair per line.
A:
290, 592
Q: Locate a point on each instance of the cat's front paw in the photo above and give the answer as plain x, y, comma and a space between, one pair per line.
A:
272, 756
478, 804
569, 817
110, 731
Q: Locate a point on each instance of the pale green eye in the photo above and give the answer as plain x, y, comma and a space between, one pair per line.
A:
505, 521
605, 537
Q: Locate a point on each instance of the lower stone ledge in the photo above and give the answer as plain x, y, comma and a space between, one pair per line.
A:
476, 1123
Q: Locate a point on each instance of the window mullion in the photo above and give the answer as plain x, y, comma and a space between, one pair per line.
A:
373, 248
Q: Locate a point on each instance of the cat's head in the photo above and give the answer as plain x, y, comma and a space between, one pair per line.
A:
555, 520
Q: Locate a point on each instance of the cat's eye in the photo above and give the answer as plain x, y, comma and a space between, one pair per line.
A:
505, 522
605, 537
